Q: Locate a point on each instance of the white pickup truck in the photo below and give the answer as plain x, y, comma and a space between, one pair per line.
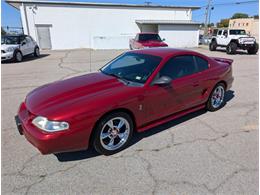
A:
15, 47
233, 39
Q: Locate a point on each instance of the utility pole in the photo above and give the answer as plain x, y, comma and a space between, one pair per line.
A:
206, 17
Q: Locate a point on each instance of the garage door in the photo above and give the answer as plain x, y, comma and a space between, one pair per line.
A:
180, 35
44, 36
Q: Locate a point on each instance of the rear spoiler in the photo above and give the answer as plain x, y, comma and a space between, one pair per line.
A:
224, 60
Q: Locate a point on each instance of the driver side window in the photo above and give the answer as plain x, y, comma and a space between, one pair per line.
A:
178, 67
22, 39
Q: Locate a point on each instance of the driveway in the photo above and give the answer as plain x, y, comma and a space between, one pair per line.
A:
201, 153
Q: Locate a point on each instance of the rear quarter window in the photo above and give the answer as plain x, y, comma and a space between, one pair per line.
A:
202, 64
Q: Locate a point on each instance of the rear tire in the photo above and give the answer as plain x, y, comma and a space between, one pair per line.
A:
231, 48
109, 136
213, 46
216, 98
253, 50
36, 52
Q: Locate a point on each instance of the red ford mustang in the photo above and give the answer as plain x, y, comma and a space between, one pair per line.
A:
134, 92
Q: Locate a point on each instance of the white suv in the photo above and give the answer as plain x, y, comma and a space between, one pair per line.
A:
233, 39
14, 47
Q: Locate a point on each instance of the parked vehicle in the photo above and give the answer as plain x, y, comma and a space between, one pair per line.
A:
233, 39
204, 40
146, 40
15, 47
136, 91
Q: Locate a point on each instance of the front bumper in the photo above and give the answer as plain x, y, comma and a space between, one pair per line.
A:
45, 142
7, 56
246, 46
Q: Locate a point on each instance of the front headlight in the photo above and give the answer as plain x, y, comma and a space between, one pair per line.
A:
50, 126
10, 49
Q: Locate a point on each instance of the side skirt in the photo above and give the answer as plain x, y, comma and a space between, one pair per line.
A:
169, 118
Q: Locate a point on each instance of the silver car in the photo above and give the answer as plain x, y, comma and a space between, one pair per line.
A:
15, 47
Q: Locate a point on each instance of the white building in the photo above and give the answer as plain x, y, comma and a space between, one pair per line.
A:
69, 25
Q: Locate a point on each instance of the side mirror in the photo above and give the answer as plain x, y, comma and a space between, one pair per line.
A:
163, 39
164, 80
23, 43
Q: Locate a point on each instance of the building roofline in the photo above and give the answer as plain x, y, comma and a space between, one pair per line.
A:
173, 22
15, 2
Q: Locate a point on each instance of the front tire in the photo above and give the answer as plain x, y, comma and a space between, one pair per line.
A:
253, 50
231, 48
216, 98
113, 133
18, 56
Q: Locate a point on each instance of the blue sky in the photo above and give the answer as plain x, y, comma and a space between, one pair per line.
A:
11, 16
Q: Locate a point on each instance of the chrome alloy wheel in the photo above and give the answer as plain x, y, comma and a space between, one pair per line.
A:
114, 133
217, 96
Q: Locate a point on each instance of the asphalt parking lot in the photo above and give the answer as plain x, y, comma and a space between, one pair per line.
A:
202, 153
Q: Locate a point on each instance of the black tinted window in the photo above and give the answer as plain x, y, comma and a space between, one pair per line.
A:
219, 32
22, 38
201, 63
215, 31
178, 67
237, 32
148, 37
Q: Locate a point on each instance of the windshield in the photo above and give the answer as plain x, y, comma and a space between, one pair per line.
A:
10, 40
237, 32
132, 67
149, 37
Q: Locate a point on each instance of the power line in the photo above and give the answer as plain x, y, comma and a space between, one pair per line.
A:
232, 3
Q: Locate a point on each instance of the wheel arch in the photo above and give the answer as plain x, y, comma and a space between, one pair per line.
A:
223, 82
234, 41
125, 110
214, 39
17, 50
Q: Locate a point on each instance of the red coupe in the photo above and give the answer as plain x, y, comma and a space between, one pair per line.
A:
146, 40
132, 93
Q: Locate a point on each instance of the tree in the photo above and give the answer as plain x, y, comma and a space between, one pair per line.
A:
223, 23
256, 16
239, 15
3, 32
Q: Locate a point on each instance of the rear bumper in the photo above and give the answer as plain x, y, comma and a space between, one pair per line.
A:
47, 143
230, 82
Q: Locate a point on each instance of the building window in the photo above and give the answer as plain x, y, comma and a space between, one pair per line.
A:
246, 24
238, 24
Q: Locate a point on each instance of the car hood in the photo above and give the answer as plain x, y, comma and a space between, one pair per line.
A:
5, 46
60, 96
153, 44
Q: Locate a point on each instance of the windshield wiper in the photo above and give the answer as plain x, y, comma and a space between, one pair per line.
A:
117, 76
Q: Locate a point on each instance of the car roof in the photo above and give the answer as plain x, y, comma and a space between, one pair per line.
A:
228, 29
164, 52
152, 33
